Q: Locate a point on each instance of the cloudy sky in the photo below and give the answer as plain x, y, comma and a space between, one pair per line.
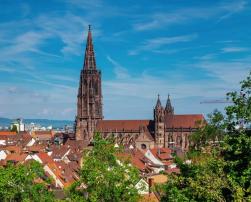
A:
193, 50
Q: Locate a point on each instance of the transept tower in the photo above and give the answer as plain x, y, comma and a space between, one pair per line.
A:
159, 124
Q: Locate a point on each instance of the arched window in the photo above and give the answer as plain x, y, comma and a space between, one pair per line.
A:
143, 146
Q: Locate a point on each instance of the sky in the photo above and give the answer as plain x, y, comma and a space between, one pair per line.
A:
193, 50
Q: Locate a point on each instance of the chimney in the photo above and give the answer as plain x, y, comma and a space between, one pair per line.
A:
150, 183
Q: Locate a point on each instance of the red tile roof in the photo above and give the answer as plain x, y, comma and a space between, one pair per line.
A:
59, 151
62, 172
120, 125
184, 121
162, 153
13, 149
35, 148
45, 158
43, 135
176, 121
16, 157
136, 157
7, 133
173, 170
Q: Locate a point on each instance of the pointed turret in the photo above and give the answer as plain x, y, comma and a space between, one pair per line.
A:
158, 104
89, 62
169, 108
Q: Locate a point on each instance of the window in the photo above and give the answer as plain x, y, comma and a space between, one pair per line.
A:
143, 146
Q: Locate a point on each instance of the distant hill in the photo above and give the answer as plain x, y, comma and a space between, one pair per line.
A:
43, 122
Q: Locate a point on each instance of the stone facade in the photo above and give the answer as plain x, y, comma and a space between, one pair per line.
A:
165, 130
89, 107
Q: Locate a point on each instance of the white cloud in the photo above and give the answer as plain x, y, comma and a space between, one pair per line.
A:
234, 49
230, 73
158, 20
62, 78
120, 71
139, 92
28, 102
86, 4
6, 69
156, 43
181, 16
69, 28
44, 112
68, 111
208, 56
232, 7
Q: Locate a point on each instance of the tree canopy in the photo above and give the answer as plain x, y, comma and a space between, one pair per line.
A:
104, 177
222, 173
19, 183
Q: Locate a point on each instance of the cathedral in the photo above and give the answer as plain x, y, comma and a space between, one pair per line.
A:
167, 129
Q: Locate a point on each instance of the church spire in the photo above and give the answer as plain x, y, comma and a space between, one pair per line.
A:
158, 104
89, 62
169, 108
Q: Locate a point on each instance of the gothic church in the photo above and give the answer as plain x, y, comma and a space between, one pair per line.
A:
167, 129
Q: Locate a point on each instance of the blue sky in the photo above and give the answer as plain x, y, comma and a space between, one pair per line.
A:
193, 50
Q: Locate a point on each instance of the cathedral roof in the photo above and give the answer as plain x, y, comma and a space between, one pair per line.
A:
120, 125
171, 121
184, 121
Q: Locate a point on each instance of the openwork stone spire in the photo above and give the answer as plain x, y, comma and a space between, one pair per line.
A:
89, 108
89, 62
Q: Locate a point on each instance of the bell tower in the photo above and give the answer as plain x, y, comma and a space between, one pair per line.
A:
159, 124
89, 100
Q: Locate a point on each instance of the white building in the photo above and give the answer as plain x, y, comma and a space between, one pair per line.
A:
19, 124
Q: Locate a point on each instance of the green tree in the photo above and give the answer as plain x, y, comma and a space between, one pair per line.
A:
224, 173
209, 132
237, 142
103, 177
14, 129
18, 183
204, 180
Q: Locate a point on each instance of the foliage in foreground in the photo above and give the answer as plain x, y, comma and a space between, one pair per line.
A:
18, 183
222, 173
103, 177
204, 180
